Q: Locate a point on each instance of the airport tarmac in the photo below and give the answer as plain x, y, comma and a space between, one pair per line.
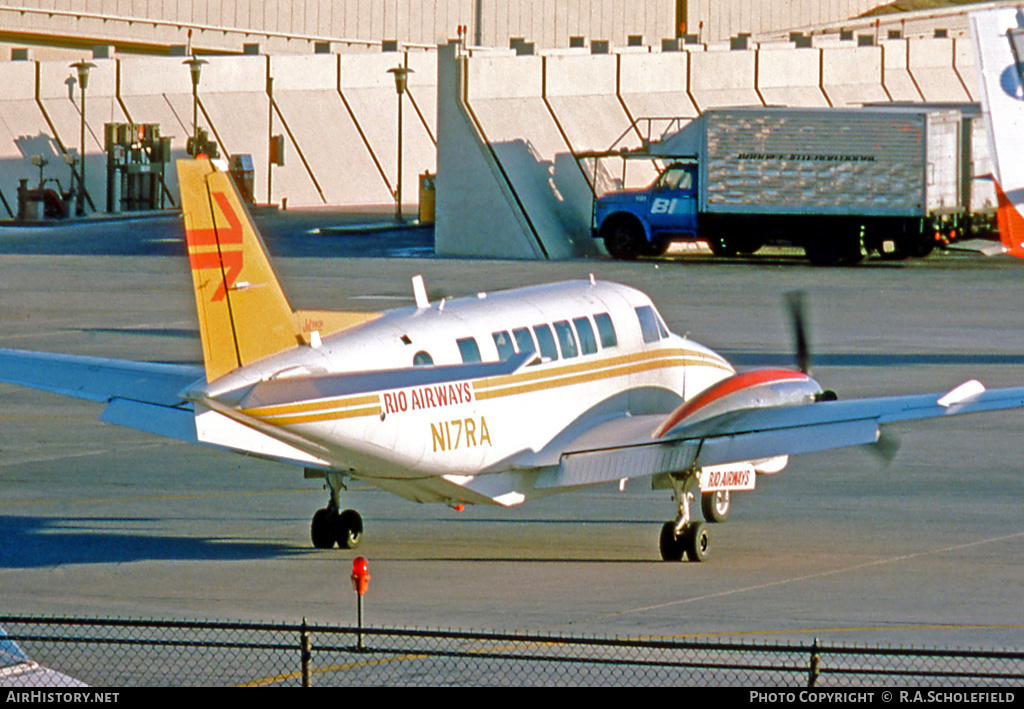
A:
100, 521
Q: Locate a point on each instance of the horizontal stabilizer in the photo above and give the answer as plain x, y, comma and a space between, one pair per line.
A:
98, 379
169, 421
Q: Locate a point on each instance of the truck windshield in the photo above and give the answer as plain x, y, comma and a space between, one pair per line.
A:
675, 178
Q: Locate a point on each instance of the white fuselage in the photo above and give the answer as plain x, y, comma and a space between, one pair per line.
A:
602, 351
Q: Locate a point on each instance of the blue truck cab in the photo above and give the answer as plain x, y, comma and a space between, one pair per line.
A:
644, 222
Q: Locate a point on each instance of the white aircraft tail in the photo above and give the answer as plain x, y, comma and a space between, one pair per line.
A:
998, 37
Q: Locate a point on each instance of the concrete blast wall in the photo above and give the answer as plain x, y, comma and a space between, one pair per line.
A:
337, 113
509, 184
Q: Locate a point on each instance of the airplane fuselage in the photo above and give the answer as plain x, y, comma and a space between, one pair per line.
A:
586, 351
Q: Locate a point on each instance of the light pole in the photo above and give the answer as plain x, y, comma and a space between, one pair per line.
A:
195, 66
82, 67
401, 82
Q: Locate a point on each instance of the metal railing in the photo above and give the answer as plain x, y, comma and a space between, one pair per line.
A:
146, 653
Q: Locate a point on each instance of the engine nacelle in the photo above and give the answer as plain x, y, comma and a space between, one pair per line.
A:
756, 389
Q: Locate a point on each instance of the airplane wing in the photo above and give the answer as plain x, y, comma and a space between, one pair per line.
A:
140, 395
757, 433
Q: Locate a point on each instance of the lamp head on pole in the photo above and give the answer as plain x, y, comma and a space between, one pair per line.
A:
401, 78
83, 67
195, 66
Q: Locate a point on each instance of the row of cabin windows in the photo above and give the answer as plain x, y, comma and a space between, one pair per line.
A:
561, 338
571, 340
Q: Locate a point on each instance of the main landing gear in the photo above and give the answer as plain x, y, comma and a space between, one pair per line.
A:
334, 526
684, 536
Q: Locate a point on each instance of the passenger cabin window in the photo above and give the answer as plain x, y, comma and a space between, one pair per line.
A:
588, 343
566, 339
469, 350
504, 344
524, 340
606, 330
546, 341
650, 328
422, 359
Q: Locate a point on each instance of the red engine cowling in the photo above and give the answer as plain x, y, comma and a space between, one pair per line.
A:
759, 388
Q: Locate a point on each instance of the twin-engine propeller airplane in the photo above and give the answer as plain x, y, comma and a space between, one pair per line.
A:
499, 398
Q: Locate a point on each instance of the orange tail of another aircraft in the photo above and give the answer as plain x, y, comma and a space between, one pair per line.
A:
998, 37
244, 314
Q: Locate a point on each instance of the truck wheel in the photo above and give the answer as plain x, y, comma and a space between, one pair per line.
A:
623, 238
835, 247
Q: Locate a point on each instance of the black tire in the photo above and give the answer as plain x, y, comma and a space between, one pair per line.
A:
657, 249
321, 531
696, 541
348, 529
835, 246
715, 505
671, 546
623, 238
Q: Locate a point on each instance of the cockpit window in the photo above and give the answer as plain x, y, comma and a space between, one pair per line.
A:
469, 350
606, 330
504, 344
566, 339
650, 328
588, 343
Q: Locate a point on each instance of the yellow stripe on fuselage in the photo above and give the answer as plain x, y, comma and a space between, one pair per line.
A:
525, 381
584, 372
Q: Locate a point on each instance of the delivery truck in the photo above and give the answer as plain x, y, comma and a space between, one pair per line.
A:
839, 183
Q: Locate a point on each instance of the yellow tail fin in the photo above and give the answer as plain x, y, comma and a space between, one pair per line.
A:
244, 315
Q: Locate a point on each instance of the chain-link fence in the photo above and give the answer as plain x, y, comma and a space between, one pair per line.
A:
141, 653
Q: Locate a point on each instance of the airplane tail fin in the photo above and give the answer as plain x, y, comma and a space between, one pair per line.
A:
244, 315
998, 37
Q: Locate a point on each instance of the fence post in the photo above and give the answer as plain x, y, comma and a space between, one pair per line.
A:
812, 676
307, 653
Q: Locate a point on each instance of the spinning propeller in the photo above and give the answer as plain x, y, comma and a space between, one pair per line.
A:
888, 443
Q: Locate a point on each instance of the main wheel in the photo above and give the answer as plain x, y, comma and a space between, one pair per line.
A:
348, 529
696, 541
671, 545
715, 505
321, 531
623, 238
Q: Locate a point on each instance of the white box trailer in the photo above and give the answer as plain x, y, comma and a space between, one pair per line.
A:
863, 162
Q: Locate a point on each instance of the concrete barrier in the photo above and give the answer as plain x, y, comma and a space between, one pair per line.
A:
582, 93
790, 77
932, 66
478, 211
60, 102
23, 133
369, 93
851, 76
723, 78
321, 138
898, 82
509, 152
